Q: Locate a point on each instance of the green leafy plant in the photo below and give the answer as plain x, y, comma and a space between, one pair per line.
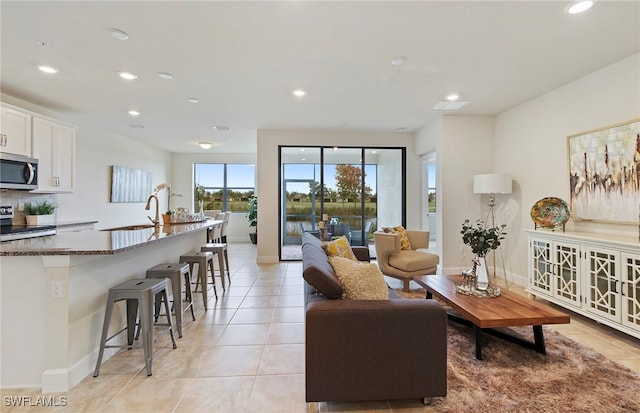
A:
481, 238
252, 211
39, 208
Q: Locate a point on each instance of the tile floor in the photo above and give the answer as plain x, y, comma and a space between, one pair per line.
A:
246, 354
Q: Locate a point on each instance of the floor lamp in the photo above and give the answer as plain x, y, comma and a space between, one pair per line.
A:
493, 184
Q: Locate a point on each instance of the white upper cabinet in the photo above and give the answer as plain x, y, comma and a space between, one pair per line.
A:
54, 146
15, 130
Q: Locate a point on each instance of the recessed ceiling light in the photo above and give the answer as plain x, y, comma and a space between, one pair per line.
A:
48, 69
205, 145
165, 75
299, 93
42, 44
193, 100
398, 61
134, 113
452, 97
303, 159
118, 34
578, 6
128, 75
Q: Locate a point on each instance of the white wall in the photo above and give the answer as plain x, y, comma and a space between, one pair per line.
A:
531, 144
464, 147
267, 183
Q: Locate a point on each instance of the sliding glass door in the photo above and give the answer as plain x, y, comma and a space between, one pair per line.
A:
344, 184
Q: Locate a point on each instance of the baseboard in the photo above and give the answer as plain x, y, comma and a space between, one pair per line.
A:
55, 380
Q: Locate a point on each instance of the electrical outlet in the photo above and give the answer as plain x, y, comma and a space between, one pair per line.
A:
56, 289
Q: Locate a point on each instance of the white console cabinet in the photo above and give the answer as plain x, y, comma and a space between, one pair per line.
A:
54, 145
595, 275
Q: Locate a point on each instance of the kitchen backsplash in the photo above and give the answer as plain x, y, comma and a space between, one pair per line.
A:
18, 198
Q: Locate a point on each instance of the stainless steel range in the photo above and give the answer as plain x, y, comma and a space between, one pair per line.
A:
11, 232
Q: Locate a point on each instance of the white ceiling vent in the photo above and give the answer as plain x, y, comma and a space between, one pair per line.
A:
447, 105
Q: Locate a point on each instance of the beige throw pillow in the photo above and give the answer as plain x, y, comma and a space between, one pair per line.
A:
359, 280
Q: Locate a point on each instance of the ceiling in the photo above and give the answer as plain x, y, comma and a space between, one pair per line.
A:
242, 60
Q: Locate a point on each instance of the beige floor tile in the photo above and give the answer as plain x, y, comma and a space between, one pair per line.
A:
244, 334
290, 301
201, 334
224, 301
264, 301
282, 359
286, 333
222, 361
217, 394
258, 290
236, 290
160, 395
215, 316
170, 363
253, 316
278, 394
289, 315
292, 289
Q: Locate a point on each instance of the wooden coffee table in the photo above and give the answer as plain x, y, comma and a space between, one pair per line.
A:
507, 310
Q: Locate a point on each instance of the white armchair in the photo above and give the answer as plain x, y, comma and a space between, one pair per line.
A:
404, 264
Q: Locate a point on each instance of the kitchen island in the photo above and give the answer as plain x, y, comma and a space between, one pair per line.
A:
54, 290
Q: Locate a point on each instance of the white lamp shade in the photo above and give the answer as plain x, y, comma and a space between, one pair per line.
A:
492, 184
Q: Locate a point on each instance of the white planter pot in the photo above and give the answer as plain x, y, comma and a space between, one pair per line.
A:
35, 220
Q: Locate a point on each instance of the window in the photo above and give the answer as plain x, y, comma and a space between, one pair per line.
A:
227, 187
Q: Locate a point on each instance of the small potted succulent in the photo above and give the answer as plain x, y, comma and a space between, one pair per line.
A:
39, 213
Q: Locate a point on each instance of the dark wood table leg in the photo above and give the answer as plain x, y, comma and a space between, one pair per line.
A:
429, 295
539, 340
478, 332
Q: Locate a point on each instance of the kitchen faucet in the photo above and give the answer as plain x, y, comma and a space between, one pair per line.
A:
156, 222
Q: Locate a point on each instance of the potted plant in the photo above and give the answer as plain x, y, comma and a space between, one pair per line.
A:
40, 213
252, 217
481, 239
166, 217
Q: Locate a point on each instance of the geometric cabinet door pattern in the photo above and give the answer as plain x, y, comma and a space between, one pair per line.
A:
598, 277
631, 289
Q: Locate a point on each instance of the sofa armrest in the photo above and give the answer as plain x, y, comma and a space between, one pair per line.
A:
373, 350
361, 253
418, 239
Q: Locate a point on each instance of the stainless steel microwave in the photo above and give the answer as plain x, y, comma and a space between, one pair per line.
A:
18, 172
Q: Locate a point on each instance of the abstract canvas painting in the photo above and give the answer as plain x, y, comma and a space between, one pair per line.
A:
604, 173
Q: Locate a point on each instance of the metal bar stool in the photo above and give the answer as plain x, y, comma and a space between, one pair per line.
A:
139, 295
220, 249
204, 260
175, 272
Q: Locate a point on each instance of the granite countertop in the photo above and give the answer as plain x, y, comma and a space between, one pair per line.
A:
98, 242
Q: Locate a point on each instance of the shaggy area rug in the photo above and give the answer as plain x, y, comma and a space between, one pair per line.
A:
511, 378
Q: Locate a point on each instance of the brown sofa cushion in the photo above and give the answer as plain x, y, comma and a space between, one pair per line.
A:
318, 272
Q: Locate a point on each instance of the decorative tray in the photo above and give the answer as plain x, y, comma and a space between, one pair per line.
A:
466, 289
550, 212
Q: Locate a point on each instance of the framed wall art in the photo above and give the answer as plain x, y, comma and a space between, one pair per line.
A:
604, 173
129, 184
